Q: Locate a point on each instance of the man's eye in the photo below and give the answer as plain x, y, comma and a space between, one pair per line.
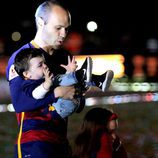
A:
58, 28
67, 29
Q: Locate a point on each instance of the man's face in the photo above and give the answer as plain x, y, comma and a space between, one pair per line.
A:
55, 30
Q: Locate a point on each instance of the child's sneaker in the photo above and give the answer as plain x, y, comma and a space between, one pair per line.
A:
103, 81
84, 74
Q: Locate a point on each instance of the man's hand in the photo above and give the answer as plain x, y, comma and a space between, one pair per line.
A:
66, 92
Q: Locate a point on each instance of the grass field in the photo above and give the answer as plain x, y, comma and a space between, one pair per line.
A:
138, 128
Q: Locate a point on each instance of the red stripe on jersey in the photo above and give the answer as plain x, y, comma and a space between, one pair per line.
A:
41, 135
35, 115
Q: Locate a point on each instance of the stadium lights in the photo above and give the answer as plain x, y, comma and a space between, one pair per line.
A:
92, 26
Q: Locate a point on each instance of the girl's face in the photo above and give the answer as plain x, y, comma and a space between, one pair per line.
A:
112, 125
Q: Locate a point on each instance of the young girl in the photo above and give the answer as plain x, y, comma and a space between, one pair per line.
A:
98, 138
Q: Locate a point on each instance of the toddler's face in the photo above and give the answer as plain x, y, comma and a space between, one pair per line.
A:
36, 67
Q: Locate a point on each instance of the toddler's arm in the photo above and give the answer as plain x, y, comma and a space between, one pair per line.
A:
40, 91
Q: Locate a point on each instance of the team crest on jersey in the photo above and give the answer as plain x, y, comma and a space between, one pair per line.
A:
51, 108
12, 73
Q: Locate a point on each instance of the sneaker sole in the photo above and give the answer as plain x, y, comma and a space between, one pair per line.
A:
89, 69
107, 81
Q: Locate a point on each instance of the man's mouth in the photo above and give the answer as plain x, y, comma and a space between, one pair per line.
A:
60, 41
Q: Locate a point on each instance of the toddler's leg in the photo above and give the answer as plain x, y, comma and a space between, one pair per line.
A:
65, 107
65, 79
81, 77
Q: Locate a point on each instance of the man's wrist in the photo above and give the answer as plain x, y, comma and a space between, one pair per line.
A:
57, 93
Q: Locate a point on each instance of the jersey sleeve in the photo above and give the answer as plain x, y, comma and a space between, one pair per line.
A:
23, 102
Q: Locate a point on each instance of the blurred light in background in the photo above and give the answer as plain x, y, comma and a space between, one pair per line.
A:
102, 63
16, 36
151, 66
3, 108
73, 43
10, 108
92, 26
107, 100
134, 87
152, 45
4, 90
3, 65
26, 23
138, 62
120, 99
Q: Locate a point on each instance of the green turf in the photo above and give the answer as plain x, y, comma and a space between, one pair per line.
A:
138, 128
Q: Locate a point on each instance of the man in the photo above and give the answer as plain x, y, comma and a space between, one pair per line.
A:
45, 134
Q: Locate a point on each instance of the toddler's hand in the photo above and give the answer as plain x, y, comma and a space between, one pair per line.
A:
48, 78
71, 66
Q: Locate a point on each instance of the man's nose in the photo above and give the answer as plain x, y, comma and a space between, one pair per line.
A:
63, 33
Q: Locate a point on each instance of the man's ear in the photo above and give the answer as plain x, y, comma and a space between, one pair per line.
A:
26, 75
40, 22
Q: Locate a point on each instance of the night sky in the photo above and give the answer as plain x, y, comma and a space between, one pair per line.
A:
121, 26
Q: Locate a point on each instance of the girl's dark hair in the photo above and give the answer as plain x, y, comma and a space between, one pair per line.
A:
22, 59
94, 124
